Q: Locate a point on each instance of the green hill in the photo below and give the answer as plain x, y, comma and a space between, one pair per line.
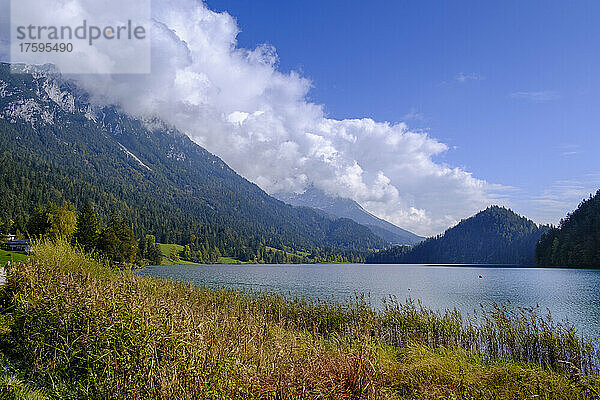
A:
494, 236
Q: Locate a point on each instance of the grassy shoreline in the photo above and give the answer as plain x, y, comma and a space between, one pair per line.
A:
75, 329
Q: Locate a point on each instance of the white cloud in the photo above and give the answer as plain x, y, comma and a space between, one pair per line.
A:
89, 21
562, 197
235, 103
462, 77
414, 115
569, 150
537, 97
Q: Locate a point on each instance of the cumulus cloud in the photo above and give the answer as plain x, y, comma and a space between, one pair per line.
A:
237, 104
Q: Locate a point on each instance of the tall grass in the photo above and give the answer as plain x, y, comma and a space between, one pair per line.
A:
503, 332
81, 330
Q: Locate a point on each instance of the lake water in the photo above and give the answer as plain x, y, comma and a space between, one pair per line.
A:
572, 295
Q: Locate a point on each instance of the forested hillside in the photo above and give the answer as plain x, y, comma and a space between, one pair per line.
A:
494, 236
576, 242
56, 147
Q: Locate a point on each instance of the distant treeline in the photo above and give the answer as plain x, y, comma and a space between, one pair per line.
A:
115, 240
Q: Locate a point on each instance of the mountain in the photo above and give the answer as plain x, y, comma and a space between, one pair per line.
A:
55, 146
494, 236
347, 208
576, 242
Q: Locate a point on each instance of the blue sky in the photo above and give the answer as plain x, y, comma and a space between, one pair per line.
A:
509, 86
499, 98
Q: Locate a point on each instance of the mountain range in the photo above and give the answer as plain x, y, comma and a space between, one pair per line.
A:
347, 208
56, 146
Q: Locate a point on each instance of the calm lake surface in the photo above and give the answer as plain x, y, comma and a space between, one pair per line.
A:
572, 295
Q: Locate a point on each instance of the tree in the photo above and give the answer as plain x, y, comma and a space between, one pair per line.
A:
187, 252
62, 223
38, 224
149, 250
117, 241
174, 254
88, 227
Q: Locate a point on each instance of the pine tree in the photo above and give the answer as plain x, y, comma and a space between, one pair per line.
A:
88, 228
38, 224
117, 241
149, 250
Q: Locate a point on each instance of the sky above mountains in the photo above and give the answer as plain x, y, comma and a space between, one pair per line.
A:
422, 112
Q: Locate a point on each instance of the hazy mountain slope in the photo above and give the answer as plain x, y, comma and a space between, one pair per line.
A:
576, 242
347, 208
54, 146
494, 236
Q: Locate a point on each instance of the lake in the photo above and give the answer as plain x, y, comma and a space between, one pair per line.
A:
572, 295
